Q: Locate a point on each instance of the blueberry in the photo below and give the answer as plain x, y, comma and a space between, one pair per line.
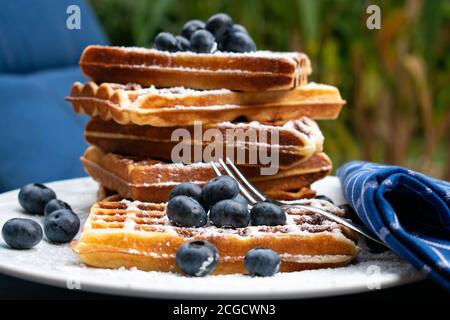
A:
237, 28
234, 28
55, 204
202, 41
229, 213
22, 233
262, 262
190, 27
222, 41
267, 214
219, 24
186, 212
197, 258
183, 44
238, 42
166, 41
187, 189
33, 197
220, 188
241, 200
61, 226
324, 197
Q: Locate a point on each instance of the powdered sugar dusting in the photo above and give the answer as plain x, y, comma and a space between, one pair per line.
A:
204, 266
57, 264
182, 91
298, 222
177, 92
259, 53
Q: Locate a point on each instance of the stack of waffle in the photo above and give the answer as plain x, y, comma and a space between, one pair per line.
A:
139, 97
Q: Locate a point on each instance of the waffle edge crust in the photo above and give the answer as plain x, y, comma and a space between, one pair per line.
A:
129, 178
121, 233
127, 104
255, 71
297, 139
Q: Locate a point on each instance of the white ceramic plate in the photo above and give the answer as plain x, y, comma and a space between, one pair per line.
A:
57, 265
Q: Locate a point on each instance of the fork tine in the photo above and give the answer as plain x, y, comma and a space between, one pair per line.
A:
241, 187
216, 170
247, 184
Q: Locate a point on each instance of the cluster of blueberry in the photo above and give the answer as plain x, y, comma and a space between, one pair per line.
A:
188, 207
198, 36
61, 224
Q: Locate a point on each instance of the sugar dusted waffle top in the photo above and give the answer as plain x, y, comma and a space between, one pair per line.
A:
294, 141
252, 71
179, 106
122, 233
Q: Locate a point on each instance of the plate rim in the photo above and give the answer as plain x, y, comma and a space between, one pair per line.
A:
98, 286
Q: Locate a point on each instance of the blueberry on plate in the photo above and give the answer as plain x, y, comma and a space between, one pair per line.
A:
183, 44
238, 42
324, 197
22, 233
220, 188
262, 262
186, 212
187, 189
166, 41
202, 41
190, 27
55, 204
197, 258
219, 24
229, 213
241, 200
34, 196
267, 214
61, 226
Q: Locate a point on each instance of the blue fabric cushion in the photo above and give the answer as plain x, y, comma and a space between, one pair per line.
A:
409, 211
41, 136
34, 36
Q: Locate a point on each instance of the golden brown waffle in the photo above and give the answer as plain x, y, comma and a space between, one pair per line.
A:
296, 140
257, 71
153, 180
121, 233
128, 104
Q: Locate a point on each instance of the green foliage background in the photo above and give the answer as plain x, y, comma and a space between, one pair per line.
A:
396, 80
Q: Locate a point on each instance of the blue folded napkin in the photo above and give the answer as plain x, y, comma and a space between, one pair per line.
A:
409, 211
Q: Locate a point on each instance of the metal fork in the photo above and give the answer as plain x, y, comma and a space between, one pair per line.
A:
254, 196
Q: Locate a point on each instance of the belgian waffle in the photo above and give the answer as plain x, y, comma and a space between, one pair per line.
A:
257, 71
297, 140
128, 104
153, 180
121, 233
